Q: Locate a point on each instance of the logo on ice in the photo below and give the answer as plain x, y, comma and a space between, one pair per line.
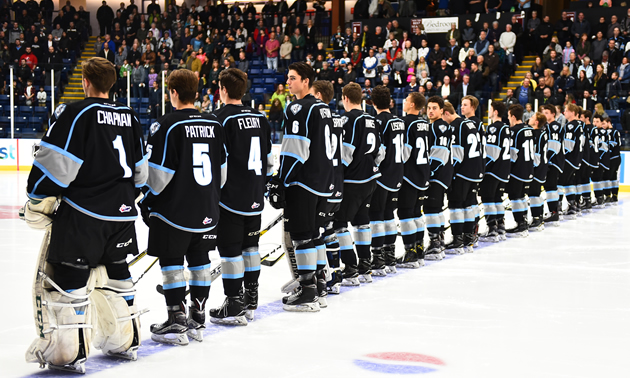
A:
124, 208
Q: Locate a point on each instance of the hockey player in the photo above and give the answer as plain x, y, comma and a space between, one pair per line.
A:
250, 163
187, 168
361, 156
536, 202
612, 177
467, 173
304, 181
497, 172
555, 155
522, 154
415, 183
324, 91
385, 198
468, 109
599, 183
440, 159
92, 159
573, 158
590, 159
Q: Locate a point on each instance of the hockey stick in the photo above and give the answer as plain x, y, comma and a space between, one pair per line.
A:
146, 270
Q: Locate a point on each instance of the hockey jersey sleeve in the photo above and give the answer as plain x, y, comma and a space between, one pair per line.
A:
163, 159
141, 170
570, 139
493, 144
440, 153
59, 157
296, 143
513, 147
457, 148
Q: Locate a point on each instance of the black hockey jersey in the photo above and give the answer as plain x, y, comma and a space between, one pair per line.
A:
416, 154
92, 155
335, 150
440, 157
604, 148
585, 142
614, 143
498, 159
361, 154
555, 151
392, 130
249, 158
467, 150
522, 152
572, 143
187, 168
540, 155
482, 134
304, 157
592, 140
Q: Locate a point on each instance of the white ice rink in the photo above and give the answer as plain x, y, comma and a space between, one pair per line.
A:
556, 304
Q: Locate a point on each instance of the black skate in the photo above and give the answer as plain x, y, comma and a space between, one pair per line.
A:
469, 242
410, 260
365, 271
501, 229
173, 330
552, 219
608, 200
196, 323
305, 299
434, 252
456, 247
587, 206
614, 200
334, 285
572, 213
389, 254
492, 236
322, 293
231, 312
538, 224
600, 202
379, 269
250, 301
520, 231
350, 276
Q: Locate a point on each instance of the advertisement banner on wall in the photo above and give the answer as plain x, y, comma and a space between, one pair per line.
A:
439, 24
8, 154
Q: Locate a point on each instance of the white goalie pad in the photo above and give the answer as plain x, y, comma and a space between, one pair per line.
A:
37, 212
116, 324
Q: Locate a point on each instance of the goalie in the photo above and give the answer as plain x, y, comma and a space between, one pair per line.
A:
84, 177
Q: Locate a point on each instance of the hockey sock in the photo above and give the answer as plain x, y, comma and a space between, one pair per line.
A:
420, 230
363, 241
469, 220
332, 248
457, 221
174, 284
378, 235
346, 248
570, 193
489, 210
433, 222
598, 188
536, 205
321, 253
119, 270
552, 200
306, 257
232, 272
519, 209
615, 187
199, 283
251, 258
390, 231
442, 221
408, 231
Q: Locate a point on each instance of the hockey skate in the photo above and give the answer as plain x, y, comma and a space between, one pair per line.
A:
250, 301
379, 269
365, 271
322, 293
587, 206
389, 254
614, 200
410, 260
173, 330
572, 213
231, 312
196, 323
520, 231
456, 247
600, 202
537, 225
434, 252
305, 299
442, 244
334, 285
552, 219
501, 229
492, 236
350, 276
469, 242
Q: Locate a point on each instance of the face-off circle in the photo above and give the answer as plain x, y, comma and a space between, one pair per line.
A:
399, 363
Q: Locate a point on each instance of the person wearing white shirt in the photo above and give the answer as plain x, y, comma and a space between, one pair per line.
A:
424, 50
507, 42
369, 65
166, 38
463, 52
410, 54
156, 31
586, 67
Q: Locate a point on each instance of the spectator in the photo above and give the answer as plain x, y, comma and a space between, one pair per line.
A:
138, 79
613, 24
507, 41
105, 16
452, 53
579, 27
29, 93
624, 71
356, 57
298, 42
399, 70
41, 96
406, 8
528, 113
600, 79
565, 82
243, 62
435, 57
443, 70
583, 47
468, 33
548, 78
476, 6
492, 61
493, 6
598, 45
445, 90
454, 34
614, 55
412, 86
350, 75
563, 29
392, 52
613, 91
30, 58
481, 46
369, 65
494, 34
285, 52
582, 84
587, 68
385, 9
554, 63
510, 99
543, 34
410, 53
275, 119
107, 53
272, 47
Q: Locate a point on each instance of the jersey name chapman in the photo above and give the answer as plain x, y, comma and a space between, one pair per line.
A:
113, 118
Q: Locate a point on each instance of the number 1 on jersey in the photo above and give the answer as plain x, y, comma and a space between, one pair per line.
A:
122, 156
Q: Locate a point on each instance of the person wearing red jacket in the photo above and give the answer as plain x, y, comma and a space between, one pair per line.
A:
31, 59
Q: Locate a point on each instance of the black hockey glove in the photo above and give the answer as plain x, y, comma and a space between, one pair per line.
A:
144, 213
276, 193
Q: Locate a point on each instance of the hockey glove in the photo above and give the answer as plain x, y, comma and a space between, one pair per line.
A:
276, 193
38, 212
144, 213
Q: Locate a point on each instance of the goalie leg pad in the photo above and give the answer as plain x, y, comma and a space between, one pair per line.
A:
37, 212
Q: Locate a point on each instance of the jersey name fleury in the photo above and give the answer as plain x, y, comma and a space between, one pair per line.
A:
248, 123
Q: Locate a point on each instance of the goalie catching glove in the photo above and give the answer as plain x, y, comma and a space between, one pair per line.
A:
38, 212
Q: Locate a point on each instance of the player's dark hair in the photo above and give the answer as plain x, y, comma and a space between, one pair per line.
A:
587, 114
551, 108
500, 107
353, 92
417, 99
100, 72
474, 102
304, 70
436, 100
234, 81
185, 83
517, 111
599, 117
325, 89
381, 97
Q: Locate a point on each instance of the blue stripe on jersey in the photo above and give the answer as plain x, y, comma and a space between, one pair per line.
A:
162, 168
179, 123
309, 113
377, 175
414, 185
62, 152
142, 161
242, 115
354, 127
98, 216
240, 212
48, 174
81, 113
32, 194
386, 187
309, 189
195, 230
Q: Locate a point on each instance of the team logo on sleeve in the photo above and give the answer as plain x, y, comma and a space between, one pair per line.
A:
556, 127
60, 110
492, 129
124, 208
344, 119
154, 128
255, 205
207, 220
295, 108
443, 128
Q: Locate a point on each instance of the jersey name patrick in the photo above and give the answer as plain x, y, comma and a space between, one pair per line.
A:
113, 118
199, 131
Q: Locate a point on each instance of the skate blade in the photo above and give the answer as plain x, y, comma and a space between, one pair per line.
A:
335, 289
454, 251
365, 278
171, 338
323, 302
433, 256
537, 229
522, 234
230, 320
476, 244
379, 272
443, 255
77, 367
391, 269
490, 239
351, 282
304, 307
570, 217
131, 354
195, 334
249, 315
502, 237
469, 249
409, 265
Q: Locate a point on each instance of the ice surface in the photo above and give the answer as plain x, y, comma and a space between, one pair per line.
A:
553, 305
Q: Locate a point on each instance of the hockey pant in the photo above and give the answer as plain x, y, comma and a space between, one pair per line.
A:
551, 189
